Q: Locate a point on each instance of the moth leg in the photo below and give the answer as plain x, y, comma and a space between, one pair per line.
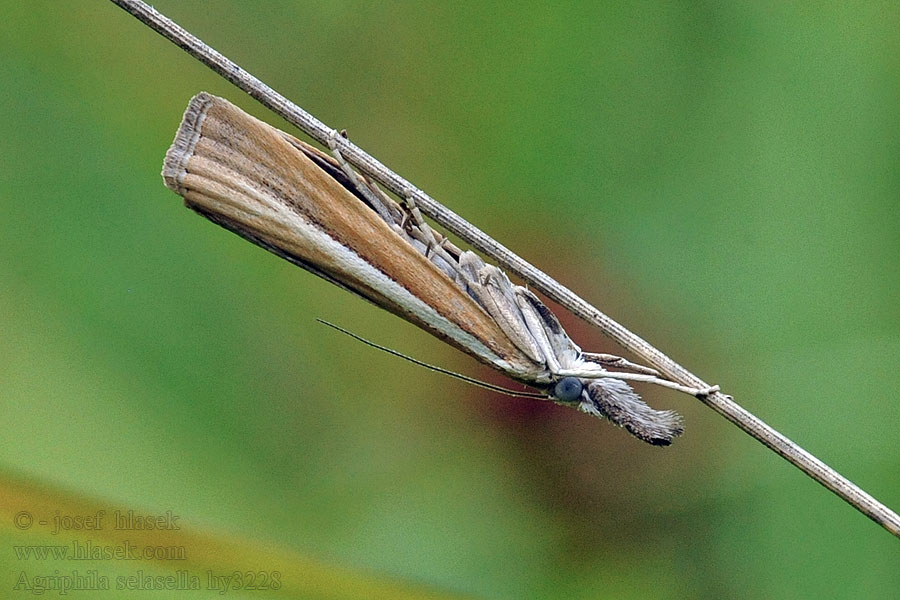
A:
379, 203
437, 247
602, 374
406, 220
617, 362
448, 246
419, 222
492, 291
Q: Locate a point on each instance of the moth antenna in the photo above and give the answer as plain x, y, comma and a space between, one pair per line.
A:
415, 361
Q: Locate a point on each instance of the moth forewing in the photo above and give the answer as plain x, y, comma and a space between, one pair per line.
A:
242, 174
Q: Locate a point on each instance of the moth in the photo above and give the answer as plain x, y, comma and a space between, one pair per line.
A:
313, 210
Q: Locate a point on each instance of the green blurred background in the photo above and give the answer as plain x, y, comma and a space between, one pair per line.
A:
722, 179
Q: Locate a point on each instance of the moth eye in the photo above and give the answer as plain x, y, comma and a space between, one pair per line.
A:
568, 389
